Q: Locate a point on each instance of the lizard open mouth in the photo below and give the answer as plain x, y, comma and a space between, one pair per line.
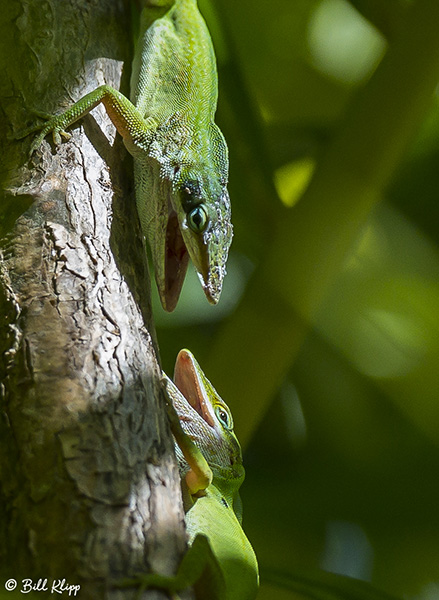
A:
176, 262
191, 386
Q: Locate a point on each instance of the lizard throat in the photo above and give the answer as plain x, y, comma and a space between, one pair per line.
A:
176, 262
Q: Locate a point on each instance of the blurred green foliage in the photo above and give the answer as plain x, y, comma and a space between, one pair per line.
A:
326, 340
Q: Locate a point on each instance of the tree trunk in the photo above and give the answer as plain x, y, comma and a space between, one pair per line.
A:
89, 485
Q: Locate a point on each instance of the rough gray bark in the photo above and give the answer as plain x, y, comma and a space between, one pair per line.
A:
89, 485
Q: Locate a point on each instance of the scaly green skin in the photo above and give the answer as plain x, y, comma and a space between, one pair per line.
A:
213, 510
220, 564
180, 155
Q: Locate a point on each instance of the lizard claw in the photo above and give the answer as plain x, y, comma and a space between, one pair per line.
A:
57, 133
44, 128
65, 135
38, 140
19, 135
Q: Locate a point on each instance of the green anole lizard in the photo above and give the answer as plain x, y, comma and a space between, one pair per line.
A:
180, 155
220, 563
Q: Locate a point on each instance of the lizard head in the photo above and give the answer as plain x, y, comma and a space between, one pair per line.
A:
199, 228
198, 213
184, 209
207, 419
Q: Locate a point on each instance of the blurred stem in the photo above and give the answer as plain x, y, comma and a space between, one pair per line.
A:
313, 238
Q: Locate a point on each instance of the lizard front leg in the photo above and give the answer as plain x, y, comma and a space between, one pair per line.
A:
135, 130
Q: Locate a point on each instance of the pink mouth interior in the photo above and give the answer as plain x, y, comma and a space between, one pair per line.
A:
186, 380
176, 262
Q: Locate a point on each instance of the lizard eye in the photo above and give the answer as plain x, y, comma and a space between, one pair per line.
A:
224, 417
198, 219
